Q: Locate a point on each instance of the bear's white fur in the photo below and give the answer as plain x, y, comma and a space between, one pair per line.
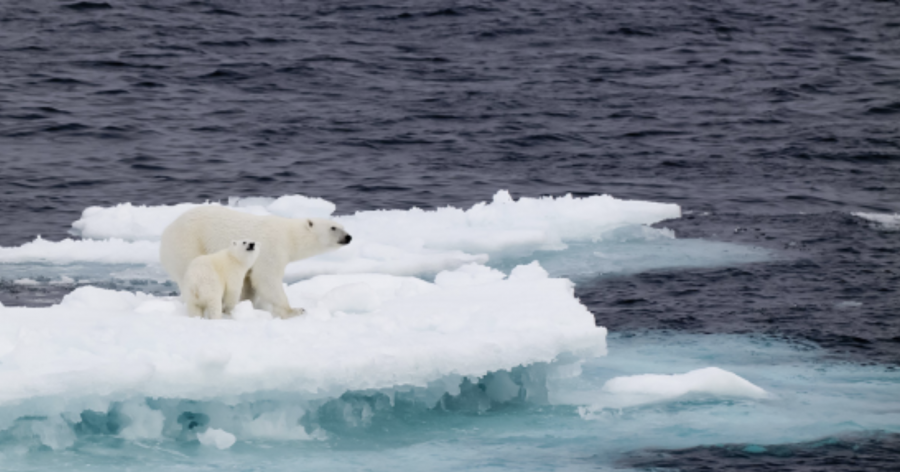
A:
213, 282
207, 229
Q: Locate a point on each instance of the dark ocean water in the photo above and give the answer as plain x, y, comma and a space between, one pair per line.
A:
769, 122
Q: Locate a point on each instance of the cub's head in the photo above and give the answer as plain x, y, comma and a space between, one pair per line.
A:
329, 234
245, 251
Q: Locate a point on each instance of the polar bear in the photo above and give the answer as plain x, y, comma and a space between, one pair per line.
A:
213, 282
207, 229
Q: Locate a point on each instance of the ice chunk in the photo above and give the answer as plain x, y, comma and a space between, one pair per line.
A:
634, 390
399, 242
110, 251
711, 380
405, 331
288, 206
572, 237
886, 221
126, 221
216, 438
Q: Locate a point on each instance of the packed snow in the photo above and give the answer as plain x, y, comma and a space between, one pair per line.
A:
361, 332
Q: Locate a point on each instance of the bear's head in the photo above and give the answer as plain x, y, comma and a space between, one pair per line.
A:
329, 234
245, 251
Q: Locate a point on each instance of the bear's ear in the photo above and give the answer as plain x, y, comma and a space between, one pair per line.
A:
310, 223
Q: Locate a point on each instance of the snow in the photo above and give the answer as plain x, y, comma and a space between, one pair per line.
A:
397, 242
450, 309
573, 237
363, 331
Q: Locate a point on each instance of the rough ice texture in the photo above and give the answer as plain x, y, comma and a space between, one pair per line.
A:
398, 242
361, 332
885, 221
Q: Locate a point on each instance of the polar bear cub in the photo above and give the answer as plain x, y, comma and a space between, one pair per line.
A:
213, 283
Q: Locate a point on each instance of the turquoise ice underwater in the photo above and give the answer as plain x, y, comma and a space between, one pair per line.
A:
444, 348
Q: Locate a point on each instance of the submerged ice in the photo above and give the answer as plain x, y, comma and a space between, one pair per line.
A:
542, 416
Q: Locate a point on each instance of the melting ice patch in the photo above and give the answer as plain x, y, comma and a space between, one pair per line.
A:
650, 388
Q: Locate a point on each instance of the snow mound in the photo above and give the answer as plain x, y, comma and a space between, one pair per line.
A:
363, 331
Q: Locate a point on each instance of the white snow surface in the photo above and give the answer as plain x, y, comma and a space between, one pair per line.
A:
397, 242
363, 331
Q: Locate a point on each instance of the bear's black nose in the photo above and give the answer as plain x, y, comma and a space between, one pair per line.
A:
346, 239
250, 246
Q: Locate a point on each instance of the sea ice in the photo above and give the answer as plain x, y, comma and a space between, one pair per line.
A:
711, 380
573, 237
398, 242
362, 332
886, 221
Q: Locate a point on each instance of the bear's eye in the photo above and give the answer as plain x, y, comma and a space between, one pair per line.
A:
310, 223
333, 228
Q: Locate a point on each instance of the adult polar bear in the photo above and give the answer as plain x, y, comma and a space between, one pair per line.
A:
208, 229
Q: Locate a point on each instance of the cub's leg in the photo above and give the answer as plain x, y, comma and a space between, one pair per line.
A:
213, 309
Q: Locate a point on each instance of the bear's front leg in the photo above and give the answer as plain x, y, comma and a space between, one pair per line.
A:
232, 295
268, 294
213, 309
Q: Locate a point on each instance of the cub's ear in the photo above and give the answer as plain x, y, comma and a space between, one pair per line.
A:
310, 223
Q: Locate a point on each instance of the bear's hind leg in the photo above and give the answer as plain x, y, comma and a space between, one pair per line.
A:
247, 292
